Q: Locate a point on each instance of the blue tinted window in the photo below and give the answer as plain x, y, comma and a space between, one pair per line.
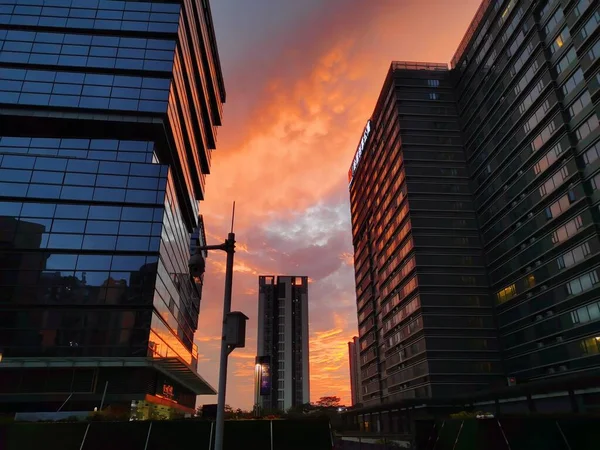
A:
47, 177
37, 210
104, 144
105, 212
17, 162
36, 86
137, 214
64, 100
109, 195
10, 208
130, 263
96, 242
154, 244
66, 241
12, 189
40, 75
143, 183
15, 175
70, 77
68, 89
94, 262
133, 243
102, 155
93, 102
135, 228
111, 181
49, 163
80, 179
135, 196
83, 166
102, 227
43, 191
58, 261
68, 226
102, 52
34, 99
114, 168
99, 80
146, 170
77, 193
72, 211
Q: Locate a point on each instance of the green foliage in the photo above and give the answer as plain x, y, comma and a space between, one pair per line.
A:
328, 402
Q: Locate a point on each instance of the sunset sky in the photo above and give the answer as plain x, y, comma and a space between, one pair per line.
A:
302, 78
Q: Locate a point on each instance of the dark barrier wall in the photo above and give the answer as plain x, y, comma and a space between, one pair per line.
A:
247, 435
543, 433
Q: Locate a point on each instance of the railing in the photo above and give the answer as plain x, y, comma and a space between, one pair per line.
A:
159, 348
410, 65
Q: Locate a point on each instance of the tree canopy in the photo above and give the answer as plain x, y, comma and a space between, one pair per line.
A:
328, 402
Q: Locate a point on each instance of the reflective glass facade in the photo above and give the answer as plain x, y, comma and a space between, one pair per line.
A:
109, 114
494, 172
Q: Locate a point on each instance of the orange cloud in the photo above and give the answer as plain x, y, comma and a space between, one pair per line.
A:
296, 106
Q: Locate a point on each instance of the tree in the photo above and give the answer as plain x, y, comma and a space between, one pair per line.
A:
328, 402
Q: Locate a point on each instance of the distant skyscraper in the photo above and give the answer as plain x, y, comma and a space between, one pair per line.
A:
354, 359
282, 375
109, 115
474, 195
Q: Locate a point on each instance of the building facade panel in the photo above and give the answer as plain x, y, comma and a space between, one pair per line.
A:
108, 117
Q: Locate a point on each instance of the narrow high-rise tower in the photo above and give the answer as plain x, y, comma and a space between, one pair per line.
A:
355, 373
282, 351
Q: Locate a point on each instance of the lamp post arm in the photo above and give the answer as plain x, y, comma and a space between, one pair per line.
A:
222, 247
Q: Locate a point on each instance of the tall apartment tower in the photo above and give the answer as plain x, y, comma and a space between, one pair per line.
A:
282, 342
425, 315
108, 118
474, 196
354, 359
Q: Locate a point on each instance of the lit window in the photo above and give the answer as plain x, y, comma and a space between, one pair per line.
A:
591, 346
559, 42
506, 294
529, 281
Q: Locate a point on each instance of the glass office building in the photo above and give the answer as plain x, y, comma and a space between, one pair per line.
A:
108, 117
475, 207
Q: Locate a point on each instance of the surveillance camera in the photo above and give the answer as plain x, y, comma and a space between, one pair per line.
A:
197, 266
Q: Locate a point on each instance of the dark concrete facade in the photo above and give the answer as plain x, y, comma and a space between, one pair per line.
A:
283, 340
484, 266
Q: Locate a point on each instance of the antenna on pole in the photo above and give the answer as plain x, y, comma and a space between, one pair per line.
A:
232, 216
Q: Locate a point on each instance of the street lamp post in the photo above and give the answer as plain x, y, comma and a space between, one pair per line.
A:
197, 267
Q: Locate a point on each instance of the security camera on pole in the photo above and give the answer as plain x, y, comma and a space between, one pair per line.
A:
233, 332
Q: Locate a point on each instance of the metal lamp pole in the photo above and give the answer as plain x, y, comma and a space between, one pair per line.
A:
229, 247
